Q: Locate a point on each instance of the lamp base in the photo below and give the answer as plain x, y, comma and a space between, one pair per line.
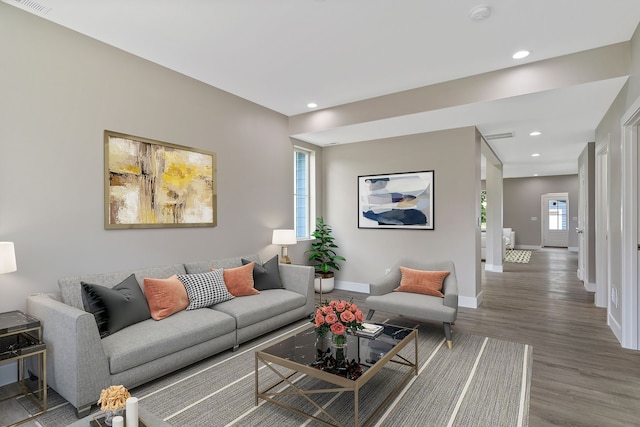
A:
284, 256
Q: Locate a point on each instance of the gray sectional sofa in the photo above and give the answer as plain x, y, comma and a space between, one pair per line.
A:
80, 363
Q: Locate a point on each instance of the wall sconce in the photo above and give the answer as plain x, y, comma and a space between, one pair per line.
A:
284, 238
7, 258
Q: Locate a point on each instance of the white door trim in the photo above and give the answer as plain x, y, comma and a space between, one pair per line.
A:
630, 321
602, 226
546, 236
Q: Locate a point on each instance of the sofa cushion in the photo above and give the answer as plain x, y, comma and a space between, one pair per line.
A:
205, 266
267, 275
125, 304
422, 282
418, 306
239, 280
257, 308
151, 340
165, 296
205, 289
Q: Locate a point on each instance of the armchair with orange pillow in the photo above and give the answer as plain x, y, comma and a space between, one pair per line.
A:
424, 290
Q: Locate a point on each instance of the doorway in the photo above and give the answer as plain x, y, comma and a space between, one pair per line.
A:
555, 220
602, 226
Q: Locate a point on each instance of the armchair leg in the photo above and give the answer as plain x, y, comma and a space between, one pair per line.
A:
447, 333
370, 314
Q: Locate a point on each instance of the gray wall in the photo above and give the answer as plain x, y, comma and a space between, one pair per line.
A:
609, 134
60, 91
522, 201
454, 155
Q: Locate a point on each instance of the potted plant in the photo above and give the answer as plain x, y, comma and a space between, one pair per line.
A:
323, 255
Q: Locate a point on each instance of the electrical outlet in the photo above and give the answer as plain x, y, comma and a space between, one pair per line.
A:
534, 218
387, 270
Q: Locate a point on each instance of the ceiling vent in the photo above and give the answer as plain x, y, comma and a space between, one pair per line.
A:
32, 6
499, 136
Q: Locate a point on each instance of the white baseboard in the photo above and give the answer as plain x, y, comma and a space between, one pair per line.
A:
8, 373
590, 287
352, 286
470, 302
529, 247
615, 327
494, 268
573, 249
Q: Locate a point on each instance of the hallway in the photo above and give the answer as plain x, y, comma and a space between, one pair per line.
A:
581, 375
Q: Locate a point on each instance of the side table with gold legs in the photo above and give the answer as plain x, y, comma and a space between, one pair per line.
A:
21, 338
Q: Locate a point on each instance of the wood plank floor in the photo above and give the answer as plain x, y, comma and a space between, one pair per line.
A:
581, 375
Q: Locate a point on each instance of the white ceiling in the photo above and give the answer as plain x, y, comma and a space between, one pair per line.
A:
283, 54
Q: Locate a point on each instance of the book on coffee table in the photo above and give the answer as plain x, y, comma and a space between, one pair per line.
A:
370, 330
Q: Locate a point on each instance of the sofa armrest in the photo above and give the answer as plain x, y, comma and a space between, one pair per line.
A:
450, 290
299, 278
76, 364
387, 283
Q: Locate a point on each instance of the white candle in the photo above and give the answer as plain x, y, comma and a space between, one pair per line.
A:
117, 421
132, 412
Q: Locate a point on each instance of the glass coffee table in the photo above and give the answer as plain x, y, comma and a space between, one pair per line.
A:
298, 355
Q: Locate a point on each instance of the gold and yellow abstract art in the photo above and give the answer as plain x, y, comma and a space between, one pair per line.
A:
152, 184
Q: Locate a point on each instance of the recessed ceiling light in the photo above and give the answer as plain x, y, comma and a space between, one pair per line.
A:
520, 54
535, 174
312, 105
535, 133
535, 155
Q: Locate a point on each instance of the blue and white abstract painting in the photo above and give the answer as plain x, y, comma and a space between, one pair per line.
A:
399, 200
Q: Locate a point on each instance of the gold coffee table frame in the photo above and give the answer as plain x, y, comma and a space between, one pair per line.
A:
343, 384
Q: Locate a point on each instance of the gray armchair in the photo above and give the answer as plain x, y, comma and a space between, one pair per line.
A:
418, 306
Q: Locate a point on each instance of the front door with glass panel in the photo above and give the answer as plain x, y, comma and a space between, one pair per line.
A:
555, 220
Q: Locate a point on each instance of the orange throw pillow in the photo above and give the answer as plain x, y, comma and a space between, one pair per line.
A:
239, 280
165, 296
422, 282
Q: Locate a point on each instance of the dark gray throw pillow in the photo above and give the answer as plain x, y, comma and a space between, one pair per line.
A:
123, 305
267, 275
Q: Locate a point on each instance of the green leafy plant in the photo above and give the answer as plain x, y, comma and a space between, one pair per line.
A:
322, 250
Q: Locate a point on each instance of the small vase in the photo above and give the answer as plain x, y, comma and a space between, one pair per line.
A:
323, 347
339, 349
109, 414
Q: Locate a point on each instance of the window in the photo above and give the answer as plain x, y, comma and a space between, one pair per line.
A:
303, 196
557, 215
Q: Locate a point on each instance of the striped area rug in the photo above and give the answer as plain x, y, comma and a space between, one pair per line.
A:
481, 381
518, 255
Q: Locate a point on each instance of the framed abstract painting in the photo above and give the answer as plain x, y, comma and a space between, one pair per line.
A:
154, 184
398, 200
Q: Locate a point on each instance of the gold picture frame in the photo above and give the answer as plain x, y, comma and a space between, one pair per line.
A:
155, 184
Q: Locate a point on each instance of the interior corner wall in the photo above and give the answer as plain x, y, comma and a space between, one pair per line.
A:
522, 203
609, 133
60, 91
454, 156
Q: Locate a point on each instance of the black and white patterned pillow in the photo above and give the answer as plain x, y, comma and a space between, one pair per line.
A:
205, 289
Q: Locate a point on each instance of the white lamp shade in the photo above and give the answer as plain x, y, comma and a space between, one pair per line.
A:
284, 237
7, 258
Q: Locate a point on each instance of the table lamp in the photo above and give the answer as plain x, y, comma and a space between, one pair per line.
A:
284, 238
7, 258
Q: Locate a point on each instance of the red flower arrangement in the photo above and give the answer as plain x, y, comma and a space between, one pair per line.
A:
338, 317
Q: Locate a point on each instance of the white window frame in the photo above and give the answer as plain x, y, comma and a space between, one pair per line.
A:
311, 189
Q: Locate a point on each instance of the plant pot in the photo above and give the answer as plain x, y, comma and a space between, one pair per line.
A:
327, 284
